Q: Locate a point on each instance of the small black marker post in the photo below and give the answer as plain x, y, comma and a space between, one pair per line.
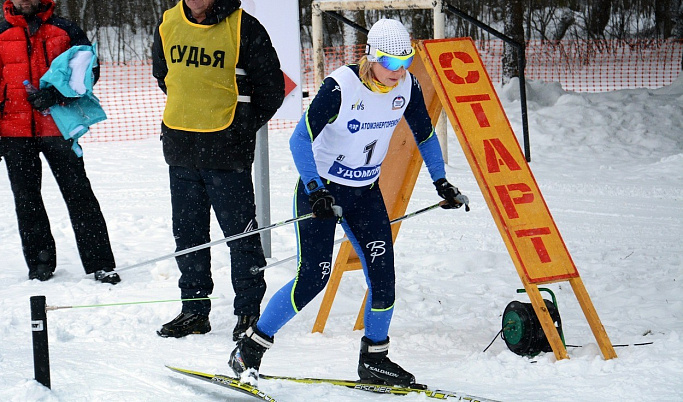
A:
41, 354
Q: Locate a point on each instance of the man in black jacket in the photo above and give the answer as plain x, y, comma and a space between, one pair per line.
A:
223, 82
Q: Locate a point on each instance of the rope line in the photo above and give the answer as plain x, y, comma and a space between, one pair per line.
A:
48, 308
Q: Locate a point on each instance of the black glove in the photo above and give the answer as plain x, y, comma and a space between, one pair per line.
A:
322, 204
44, 98
452, 195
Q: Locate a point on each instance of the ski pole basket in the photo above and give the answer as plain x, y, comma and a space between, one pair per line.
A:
522, 331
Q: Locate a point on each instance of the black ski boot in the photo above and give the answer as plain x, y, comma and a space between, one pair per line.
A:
243, 323
375, 367
185, 324
245, 360
107, 276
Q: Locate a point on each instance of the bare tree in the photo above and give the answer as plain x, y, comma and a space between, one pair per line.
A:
514, 28
596, 18
664, 10
677, 30
422, 24
359, 18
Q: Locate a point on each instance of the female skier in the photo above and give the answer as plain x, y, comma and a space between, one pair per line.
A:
338, 148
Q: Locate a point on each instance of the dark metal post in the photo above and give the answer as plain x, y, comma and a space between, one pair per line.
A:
41, 354
521, 62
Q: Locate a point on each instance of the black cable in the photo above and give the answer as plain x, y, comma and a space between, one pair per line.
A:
616, 346
494, 339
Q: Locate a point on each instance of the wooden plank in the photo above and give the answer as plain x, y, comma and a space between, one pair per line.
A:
350, 5
546, 320
593, 320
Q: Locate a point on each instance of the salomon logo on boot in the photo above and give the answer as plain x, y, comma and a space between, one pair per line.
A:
375, 367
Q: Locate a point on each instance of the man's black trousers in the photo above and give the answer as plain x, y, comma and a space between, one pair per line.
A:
231, 195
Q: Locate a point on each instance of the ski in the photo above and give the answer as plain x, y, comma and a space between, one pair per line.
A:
384, 389
227, 382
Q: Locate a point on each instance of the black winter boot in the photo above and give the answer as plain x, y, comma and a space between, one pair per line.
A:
185, 324
243, 323
107, 276
245, 360
374, 366
41, 273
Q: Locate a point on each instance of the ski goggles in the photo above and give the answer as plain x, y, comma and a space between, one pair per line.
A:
394, 63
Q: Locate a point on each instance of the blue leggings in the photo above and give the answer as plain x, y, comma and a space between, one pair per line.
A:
366, 224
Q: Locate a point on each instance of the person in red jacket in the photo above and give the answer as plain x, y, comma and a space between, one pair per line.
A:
30, 38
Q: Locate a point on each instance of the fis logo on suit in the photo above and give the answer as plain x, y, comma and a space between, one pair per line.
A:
353, 126
398, 103
358, 105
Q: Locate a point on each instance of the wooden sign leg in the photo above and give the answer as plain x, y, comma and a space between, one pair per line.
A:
593, 320
546, 321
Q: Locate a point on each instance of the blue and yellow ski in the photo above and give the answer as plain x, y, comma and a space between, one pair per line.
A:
225, 381
384, 389
236, 385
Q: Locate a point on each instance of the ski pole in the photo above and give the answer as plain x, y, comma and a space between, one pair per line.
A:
256, 270
216, 242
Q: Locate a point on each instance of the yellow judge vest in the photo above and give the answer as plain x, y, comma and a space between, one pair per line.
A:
201, 84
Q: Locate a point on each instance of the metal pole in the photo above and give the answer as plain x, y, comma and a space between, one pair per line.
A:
262, 187
347, 21
256, 270
41, 354
221, 241
521, 60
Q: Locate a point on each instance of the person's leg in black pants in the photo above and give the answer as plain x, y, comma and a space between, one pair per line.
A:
87, 221
24, 169
232, 198
191, 218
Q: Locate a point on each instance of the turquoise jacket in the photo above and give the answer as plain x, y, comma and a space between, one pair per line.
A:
71, 74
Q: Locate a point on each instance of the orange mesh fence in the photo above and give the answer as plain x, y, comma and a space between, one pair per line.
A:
593, 66
134, 103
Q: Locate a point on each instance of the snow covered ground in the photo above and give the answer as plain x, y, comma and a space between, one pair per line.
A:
610, 166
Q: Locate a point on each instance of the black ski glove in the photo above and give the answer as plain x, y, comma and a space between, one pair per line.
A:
322, 204
44, 98
452, 195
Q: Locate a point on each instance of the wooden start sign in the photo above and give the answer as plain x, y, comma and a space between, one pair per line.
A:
497, 161
505, 179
